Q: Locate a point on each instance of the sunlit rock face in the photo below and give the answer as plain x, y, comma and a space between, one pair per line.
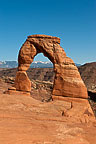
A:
67, 82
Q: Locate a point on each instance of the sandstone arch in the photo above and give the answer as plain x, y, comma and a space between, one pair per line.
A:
67, 82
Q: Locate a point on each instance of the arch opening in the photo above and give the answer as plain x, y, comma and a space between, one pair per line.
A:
41, 61
41, 75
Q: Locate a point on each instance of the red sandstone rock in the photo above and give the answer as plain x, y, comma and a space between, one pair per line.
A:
22, 82
67, 78
12, 88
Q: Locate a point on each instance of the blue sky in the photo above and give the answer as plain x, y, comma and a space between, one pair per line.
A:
74, 21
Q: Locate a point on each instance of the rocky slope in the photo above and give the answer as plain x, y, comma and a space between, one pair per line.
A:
25, 120
88, 74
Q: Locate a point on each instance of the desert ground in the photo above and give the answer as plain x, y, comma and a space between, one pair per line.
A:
32, 119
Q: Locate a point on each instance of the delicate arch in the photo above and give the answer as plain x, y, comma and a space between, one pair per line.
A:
67, 80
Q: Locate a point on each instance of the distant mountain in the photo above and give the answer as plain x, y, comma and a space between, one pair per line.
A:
40, 64
77, 64
8, 64
35, 64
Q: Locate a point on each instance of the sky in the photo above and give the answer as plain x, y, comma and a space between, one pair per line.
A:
74, 21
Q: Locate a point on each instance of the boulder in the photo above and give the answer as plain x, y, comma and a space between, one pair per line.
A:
22, 82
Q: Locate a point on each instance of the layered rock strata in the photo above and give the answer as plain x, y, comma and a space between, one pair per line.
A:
67, 82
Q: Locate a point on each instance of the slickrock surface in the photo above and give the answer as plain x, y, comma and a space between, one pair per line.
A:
24, 120
67, 82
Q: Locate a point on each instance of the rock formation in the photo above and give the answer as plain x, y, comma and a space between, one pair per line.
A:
67, 82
